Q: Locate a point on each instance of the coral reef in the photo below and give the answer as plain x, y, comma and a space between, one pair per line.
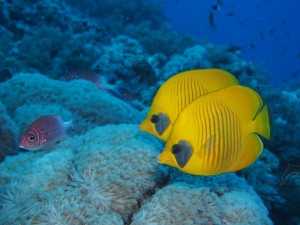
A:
285, 108
28, 96
99, 176
126, 60
8, 134
52, 37
180, 203
192, 58
106, 174
222, 199
262, 176
207, 56
261, 173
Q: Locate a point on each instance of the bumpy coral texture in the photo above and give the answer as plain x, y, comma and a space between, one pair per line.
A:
180, 203
285, 108
8, 134
126, 59
69, 35
133, 45
103, 176
262, 176
96, 178
193, 57
28, 96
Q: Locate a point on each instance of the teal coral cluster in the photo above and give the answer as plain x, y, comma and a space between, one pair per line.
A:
110, 173
105, 175
92, 106
8, 134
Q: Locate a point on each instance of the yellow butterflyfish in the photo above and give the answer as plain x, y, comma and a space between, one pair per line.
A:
218, 133
179, 91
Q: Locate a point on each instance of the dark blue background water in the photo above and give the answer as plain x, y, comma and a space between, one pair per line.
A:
267, 31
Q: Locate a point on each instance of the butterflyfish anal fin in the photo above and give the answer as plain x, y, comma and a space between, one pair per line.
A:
252, 149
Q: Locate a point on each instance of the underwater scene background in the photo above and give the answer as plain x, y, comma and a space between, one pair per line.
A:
100, 64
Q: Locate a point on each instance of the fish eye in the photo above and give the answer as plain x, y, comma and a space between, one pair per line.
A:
182, 152
154, 119
30, 137
176, 149
161, 122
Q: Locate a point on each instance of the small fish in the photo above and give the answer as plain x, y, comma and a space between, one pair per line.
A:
234, 49
45, 132
218, 132
211, 21
272, 30
84, 75
220, 2
216, 7
252, 45
231, 14
101, 82
261, 35
177, 92
283, 21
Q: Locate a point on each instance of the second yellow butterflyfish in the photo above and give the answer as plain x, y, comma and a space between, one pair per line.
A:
218, 133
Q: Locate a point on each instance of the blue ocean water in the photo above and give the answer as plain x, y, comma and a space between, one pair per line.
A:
267, 31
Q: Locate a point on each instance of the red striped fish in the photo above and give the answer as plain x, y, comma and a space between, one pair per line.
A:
45, 132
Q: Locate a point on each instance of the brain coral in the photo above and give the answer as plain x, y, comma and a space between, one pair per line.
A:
110, 176
192, 58
99, 176
29, 95
127, 59
180, 203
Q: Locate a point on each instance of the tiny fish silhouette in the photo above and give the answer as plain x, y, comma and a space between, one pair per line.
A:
45, 132
211, 21
117, 90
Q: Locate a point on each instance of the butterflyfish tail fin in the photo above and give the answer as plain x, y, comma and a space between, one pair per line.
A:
262, 123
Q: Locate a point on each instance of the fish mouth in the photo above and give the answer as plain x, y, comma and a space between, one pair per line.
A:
145, 126
23, 147
162, 159
159, 160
